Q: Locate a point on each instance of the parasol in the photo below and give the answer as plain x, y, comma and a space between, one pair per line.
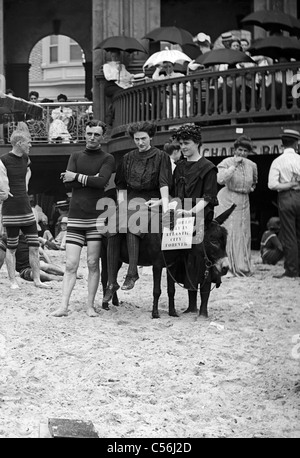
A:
121, 42
10, 104
173, 34
276, 46
167, 55
273, 21
223, 56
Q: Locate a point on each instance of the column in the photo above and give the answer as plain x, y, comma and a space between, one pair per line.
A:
17, 78
88, 66
98, 59
2, 77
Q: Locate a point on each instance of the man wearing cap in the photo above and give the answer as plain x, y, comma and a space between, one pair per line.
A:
284, 177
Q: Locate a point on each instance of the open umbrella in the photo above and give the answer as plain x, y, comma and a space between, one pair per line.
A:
223, 56
10, 104
191, 50
121, 42
273, 21
172, 34
276, 46
167, 55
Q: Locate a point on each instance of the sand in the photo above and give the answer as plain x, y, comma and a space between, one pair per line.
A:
233, 375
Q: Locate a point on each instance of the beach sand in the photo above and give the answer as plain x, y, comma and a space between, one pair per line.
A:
233, 375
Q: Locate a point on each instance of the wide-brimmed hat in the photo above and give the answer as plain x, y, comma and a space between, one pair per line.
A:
202, 37
227, 36
290, 133
139, 78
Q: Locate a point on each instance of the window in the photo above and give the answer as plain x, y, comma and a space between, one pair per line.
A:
53, 48
75, 51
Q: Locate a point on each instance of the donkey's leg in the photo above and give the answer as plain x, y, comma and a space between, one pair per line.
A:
112, 264
204, 295
171, 295
157, 271
192, 308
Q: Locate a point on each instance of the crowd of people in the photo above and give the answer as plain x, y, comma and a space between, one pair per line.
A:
151, 179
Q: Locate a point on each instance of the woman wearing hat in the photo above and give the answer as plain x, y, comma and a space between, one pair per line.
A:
239, 177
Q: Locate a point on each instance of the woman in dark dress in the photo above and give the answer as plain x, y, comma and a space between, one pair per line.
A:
143, 180
195, 184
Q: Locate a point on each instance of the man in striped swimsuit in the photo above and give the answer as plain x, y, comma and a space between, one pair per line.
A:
16, 209
87, 174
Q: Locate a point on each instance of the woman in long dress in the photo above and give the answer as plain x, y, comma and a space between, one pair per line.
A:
239, 175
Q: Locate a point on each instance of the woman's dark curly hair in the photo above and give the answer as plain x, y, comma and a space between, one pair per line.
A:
189, 132
143, 126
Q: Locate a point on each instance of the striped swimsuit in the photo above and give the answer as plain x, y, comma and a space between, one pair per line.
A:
16, 209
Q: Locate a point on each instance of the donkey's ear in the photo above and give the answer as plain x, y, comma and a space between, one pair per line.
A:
223, 217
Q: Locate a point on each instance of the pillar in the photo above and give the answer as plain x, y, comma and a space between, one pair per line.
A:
2, 76
88, 66
17, 78
117, 17
98, 11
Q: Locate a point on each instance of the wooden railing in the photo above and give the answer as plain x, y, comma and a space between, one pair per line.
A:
241, 95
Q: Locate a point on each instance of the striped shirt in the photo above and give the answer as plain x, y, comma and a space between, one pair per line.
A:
284, 169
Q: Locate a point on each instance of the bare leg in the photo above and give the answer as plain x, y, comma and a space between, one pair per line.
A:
11, 268
2, 257
93, 257
72, 262
51, 268
34, 262
44, 276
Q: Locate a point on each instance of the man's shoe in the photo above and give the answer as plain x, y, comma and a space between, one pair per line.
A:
285, 274
129, 282
110, 291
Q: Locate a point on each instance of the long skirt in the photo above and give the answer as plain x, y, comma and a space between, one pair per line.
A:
238, 226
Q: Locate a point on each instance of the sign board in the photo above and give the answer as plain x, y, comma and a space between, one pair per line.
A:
226, 148
181, 237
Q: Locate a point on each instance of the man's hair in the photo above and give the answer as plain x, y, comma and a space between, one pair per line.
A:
170, 147
143, 126
189, 132
36, 94
17, 136
288, 142
96, 123
62, 96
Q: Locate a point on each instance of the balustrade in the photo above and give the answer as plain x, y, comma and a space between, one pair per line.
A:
209, 97
70, 125
254, 94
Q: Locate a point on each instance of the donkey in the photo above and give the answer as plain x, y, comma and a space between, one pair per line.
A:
211, 265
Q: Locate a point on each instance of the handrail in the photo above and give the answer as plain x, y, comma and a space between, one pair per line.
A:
73, 121
209, 97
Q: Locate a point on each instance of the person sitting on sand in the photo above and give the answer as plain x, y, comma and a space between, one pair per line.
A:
48, 270
59, 243
271, 249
